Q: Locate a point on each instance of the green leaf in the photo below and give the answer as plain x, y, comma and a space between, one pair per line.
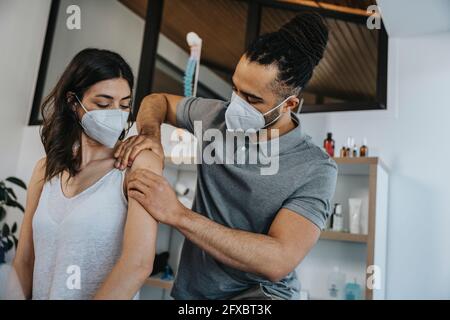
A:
9, 245
5, 230
11, 192
3, 194
18, 205
2, 213
13, 203
17, 181
2, 254
14, 227
15, 241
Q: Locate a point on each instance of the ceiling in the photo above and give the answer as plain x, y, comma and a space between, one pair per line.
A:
407, 18
348, 71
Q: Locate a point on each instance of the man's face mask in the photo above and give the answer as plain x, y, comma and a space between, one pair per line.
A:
104, 126
241, 115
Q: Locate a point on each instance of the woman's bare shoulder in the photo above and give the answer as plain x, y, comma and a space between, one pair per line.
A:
37, 180
39, 170
149, 160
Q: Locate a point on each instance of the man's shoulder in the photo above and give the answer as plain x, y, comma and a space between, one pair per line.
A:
211, 112
315, 157
203, 103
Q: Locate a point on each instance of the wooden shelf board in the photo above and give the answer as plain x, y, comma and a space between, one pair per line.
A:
156, 282
339, 160
357, 160
343, 236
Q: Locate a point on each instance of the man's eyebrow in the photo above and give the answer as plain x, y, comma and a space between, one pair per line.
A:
111, 98
247, 93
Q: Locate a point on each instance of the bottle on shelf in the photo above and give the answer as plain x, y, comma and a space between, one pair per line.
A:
350, 143
336, 284
328, 144
364, 150
337, 222
343, 152
353, 291
355, 151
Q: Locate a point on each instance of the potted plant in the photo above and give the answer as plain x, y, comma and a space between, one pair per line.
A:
8, 198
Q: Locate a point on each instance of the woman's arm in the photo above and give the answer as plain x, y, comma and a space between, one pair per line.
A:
138, 251
23, 262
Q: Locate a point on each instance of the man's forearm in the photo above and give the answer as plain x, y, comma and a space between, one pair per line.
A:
246, 251
152, 113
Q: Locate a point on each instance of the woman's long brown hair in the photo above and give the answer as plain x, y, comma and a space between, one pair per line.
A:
61, 130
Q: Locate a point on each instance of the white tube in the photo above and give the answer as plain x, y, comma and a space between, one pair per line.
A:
181, 189
195, 42
355, 214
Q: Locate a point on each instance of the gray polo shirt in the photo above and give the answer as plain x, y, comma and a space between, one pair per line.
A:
240, 197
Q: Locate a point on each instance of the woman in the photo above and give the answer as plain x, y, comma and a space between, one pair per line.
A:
81, 237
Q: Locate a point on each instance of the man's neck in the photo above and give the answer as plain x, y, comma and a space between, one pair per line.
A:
282, 126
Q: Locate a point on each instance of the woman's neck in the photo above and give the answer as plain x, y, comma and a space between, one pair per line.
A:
91, 151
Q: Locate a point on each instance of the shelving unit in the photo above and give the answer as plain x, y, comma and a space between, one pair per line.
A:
365, 178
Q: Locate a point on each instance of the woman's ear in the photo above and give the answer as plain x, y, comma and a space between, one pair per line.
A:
70, 100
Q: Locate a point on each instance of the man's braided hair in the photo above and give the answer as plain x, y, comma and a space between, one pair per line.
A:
296, 49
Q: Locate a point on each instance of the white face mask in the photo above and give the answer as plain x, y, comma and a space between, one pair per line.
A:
104, 126
241, 115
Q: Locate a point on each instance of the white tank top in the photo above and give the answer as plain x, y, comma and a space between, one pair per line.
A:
77, 240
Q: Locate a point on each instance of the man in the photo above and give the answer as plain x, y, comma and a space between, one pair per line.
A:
247, 231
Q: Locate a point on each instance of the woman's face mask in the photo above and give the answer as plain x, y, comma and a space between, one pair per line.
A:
104, 126
241, 115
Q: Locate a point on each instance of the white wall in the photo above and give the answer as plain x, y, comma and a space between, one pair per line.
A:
22, 32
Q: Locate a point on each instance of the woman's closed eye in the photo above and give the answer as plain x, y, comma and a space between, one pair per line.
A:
100, 105
104, 106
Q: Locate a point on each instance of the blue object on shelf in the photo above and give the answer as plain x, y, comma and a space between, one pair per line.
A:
353, 291
168, 273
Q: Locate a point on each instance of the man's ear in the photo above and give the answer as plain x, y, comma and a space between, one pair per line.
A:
291, 104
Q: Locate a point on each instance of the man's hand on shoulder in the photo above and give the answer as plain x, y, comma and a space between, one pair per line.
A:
128, 150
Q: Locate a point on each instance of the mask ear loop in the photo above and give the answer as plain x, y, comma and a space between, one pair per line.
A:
279, 116
83, 107
130, 123
300, 106
81, 104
